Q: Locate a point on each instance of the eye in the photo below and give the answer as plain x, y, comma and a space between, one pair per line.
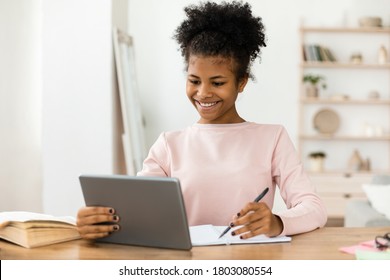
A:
194, 82
218, 84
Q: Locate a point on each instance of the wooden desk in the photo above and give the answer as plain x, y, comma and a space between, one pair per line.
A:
321, 244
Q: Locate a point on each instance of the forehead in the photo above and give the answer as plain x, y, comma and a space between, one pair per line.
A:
210, 64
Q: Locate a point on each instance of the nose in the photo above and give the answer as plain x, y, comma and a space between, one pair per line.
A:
204, 91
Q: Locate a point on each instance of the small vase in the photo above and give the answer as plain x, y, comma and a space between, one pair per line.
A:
355, 162
311, 91
317, 164
366, 165
382, 55
356, 58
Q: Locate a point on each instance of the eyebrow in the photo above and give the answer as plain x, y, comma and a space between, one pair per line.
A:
211, 78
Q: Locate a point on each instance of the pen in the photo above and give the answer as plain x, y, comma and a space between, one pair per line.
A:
257, 199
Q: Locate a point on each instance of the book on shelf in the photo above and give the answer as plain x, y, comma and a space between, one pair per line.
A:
206, 235
30, 230
317, 53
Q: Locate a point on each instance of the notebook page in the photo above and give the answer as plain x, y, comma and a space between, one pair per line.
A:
209, 235
204, 235
229, 239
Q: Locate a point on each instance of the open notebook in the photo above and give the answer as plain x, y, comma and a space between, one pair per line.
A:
209, 235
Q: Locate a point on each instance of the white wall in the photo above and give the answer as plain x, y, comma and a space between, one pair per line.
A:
59, 114
78, 99
272, 98
20, 105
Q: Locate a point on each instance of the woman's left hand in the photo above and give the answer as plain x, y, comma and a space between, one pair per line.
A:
256, 218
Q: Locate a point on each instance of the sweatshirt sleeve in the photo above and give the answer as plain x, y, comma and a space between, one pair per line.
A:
305, 210
156, 163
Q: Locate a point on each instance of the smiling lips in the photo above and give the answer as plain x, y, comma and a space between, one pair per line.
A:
206, 105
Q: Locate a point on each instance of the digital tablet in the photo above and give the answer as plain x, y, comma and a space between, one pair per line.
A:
151, 209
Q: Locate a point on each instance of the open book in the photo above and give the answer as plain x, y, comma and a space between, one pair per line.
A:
209, 235
31, 230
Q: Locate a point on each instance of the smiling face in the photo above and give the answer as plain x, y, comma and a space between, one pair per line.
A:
212, 88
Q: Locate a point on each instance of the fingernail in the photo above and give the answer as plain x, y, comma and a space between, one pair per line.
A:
116, 227
231, 225
116, 218
233, 233
238, 214
241, 237
111, 211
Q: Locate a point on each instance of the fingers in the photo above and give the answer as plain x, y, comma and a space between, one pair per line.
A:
96, 222
254, 219
97, 231
246, 232
94, 210
251, 207
252, 212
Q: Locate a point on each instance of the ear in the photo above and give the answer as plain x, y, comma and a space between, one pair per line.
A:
242, 83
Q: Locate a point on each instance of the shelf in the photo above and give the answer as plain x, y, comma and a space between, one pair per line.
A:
344, 138
335, 65
346, 101
384, 30
349, 96
348, 173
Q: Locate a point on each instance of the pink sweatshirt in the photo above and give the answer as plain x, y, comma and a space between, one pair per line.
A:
221, 167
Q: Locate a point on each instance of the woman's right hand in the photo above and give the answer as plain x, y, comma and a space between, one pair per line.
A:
92, 222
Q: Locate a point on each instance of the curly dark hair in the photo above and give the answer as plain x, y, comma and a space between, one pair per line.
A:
228, 30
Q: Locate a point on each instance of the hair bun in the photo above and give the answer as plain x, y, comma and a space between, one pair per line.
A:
226, 29
233, 21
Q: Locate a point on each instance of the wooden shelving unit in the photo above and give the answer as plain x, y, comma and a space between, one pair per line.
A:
346, 102
336, 183
344, 65
370, 30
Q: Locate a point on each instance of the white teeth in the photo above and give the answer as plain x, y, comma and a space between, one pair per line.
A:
207, 104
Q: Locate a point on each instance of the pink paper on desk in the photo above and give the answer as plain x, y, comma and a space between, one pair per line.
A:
364, 246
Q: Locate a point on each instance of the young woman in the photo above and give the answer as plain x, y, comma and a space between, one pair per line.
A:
223, 161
